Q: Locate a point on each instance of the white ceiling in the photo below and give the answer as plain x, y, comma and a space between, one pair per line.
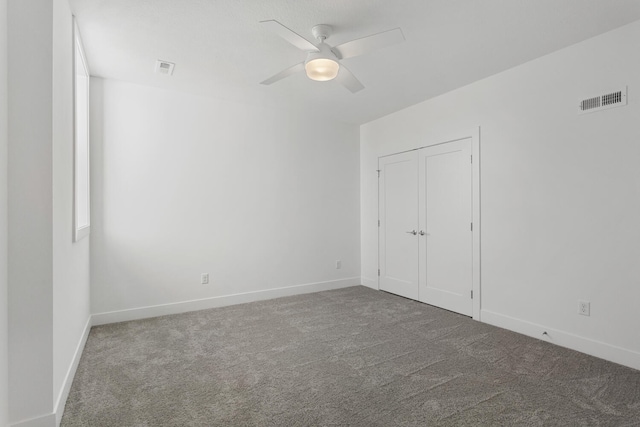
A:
221, 50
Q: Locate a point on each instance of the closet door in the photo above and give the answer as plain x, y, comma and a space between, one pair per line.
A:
398, 213
445, 199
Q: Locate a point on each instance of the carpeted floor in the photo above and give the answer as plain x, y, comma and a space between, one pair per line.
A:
348, 357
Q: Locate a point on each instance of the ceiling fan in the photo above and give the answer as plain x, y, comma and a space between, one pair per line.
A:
323, 61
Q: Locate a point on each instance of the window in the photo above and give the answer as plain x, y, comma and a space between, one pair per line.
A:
81, 217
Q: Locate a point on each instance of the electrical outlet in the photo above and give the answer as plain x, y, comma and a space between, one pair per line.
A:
584, 308
204, 278
338, 265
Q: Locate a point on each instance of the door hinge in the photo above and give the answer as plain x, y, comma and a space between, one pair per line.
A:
472, 158
471, 226
378, 172
378, 223
472, 294
378, 272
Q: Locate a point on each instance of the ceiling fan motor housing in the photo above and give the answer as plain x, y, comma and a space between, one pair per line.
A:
321, 32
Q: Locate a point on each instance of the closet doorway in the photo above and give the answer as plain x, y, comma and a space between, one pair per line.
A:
429, 224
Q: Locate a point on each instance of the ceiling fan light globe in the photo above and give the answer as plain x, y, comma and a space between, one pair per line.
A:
322, 69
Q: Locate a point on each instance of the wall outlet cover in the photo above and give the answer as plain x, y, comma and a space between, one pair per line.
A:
584, 308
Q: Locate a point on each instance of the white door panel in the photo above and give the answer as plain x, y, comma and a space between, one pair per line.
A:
445, 205
398, 198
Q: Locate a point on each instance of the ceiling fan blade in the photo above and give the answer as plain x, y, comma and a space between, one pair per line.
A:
284, 73
348, 80
292, 37
367, 44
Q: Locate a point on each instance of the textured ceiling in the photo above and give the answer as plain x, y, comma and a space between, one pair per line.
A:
221, 50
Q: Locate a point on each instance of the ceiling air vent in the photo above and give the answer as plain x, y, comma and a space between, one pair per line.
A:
164, 67
602, 102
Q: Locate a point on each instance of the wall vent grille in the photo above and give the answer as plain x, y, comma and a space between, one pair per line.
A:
602, 102
164, 67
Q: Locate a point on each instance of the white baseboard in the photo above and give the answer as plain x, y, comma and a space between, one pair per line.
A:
71, 373
595, 348
48, 420
370, 283
221, 301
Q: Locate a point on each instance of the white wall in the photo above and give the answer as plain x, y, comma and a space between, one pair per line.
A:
30, 209
560, 196
47, 274
71, 302
4, 315
183, 185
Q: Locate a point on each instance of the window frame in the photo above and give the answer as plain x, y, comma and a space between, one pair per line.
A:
80, 161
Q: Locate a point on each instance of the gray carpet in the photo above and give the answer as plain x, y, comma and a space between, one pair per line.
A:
348, 357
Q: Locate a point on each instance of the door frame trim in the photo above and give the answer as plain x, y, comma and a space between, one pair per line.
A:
474, 134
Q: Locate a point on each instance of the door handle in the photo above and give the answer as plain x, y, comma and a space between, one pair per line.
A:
422, 233
414, 232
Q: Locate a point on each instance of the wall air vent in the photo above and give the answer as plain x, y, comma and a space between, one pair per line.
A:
617, 98
164, 67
